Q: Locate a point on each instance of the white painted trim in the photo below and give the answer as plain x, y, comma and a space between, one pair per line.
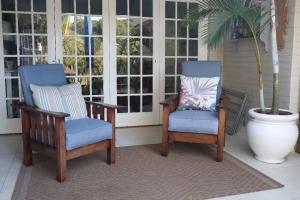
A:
202, 48
3, 125
58, 33
113, 52
50, 6
156, 62
161, 39
106, 53
138, 136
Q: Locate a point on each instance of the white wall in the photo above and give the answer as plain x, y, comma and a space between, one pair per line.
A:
240, 70
295, 90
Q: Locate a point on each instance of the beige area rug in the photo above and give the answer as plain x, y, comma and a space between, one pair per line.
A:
189, 172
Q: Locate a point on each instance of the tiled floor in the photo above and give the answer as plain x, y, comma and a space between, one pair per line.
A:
286, 173
10, 163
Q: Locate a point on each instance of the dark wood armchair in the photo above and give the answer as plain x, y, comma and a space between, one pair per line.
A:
204, 69
46, 132
170, 105
39, 121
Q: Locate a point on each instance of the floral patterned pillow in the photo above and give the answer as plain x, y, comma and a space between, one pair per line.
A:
198, 93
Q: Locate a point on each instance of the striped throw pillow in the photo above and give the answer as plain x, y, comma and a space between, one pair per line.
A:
67, 98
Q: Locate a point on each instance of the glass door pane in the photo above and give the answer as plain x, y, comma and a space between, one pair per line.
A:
181, 43
82, 45
25, 40
134, 38
135, 60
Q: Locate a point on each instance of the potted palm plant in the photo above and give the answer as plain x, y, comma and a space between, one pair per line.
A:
272, 132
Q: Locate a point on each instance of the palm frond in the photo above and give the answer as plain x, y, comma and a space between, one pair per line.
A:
217, 18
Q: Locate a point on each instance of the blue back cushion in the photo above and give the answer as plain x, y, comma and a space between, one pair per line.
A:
204, 69
41, 75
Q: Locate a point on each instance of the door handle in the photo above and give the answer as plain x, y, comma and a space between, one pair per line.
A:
54, 61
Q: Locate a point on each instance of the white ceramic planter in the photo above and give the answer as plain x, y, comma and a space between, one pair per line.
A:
272, 137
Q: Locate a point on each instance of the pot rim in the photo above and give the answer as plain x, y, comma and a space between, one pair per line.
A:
275, 118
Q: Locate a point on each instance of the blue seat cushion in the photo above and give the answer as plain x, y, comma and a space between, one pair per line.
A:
194, 121
81, 132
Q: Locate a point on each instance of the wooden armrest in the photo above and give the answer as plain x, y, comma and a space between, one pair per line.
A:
170, 104
222, 116
169, 101
27, 108
104, 105
98, 108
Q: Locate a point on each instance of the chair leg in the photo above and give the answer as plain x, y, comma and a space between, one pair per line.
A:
165, 144
27, 151
221, 135
111, 153
61, 170
165, 150
220, 151
61, 150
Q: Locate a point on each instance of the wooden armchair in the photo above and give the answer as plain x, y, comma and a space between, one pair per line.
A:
209, 126
50, 134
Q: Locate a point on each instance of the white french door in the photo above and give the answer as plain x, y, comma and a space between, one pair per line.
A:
134, 61
82, 45
179, 43
26, 37
111, 52
124, 52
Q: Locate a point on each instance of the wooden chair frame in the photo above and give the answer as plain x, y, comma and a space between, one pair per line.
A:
35, 122
170, 105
